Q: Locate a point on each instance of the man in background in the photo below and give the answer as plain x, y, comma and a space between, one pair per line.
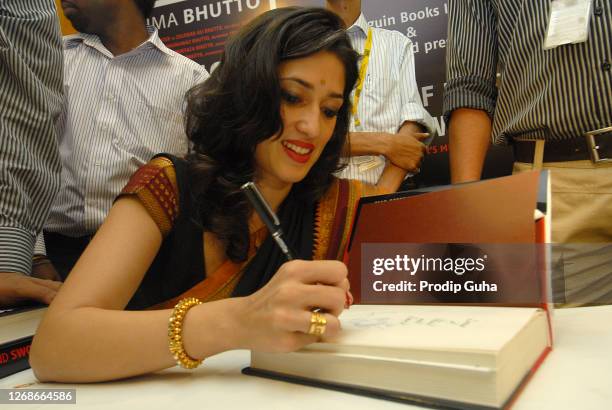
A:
554, 91
30, 101
124, 98
389, 123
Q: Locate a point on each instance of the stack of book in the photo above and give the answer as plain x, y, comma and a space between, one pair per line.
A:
17, 328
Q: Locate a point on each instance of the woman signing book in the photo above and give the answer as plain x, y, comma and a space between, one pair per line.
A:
182, 268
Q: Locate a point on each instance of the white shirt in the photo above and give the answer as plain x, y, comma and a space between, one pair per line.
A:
120, 112
390, 94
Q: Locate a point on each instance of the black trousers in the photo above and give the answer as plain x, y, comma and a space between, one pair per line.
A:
64, 251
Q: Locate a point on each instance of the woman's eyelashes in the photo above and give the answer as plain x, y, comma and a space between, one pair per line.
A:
290, 98
293, 99
330, 113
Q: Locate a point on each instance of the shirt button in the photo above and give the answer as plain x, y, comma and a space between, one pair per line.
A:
605, 66
598, 11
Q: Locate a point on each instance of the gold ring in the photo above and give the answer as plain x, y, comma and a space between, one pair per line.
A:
317, 324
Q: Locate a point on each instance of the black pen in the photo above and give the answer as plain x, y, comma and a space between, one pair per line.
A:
268, 216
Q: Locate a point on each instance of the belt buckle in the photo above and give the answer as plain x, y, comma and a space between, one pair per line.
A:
591, 140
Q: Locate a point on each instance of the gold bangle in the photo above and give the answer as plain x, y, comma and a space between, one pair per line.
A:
175, 338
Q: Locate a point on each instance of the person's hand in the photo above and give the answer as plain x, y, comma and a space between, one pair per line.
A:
16, 288
277, 317
42, 268
406, 150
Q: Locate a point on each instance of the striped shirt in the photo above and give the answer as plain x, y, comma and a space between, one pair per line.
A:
390, 94
543, 94
30, 102
121, 111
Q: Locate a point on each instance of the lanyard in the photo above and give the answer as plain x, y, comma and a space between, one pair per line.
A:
363, 69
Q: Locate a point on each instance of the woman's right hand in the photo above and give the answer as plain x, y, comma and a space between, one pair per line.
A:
277, 317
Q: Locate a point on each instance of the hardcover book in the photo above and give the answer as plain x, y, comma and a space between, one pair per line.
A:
489, 222
441, 356
479, 328
17, 328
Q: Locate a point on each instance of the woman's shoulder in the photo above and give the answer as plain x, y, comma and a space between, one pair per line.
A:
155, 186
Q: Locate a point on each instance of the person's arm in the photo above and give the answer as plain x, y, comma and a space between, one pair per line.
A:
17, 289
86, 336
389, 181
42, 286
413, 111
30, 165
469, 134
470, 94
368, 143
404, 149
394, 173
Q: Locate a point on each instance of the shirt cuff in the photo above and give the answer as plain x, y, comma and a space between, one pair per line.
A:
16, 250
475, 94
39, 246
418, 114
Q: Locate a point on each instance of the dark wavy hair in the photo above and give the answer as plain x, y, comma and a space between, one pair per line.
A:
238, 107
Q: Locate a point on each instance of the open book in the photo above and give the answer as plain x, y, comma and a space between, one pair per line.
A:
459, 356
472, 244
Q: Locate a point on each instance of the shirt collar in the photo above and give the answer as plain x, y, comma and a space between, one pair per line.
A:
361, 24
156, 41
93, 41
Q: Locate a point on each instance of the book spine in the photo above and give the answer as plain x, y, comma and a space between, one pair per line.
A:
512, 400
14, 356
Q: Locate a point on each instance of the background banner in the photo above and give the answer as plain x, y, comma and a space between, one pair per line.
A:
198, 29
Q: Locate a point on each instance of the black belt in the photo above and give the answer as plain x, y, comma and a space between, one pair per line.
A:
596, 146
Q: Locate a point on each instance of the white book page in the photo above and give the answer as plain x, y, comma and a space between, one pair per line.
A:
22, 324
446, 328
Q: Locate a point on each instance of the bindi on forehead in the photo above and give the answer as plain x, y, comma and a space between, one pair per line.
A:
323, 82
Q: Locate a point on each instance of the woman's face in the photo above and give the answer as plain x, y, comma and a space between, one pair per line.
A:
311, 96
